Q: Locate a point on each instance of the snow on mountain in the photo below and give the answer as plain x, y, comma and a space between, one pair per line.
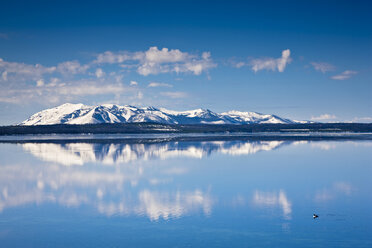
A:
253, 117
110, 113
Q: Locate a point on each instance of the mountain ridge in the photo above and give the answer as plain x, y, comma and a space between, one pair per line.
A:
69, 113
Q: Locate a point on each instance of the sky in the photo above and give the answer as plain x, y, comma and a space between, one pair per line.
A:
304, 60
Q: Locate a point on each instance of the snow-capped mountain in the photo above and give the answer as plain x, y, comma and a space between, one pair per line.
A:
109, 113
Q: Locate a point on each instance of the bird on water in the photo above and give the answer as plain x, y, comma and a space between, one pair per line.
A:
315, 216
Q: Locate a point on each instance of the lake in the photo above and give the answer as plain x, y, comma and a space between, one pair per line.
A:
196, 193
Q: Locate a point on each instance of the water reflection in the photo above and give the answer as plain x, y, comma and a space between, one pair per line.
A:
125, 189
337, 189
143, 184
111, 192
165, 205
274, 199
221, 193
81, 153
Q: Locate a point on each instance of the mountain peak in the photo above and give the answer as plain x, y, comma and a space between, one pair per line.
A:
151, 108
79, 113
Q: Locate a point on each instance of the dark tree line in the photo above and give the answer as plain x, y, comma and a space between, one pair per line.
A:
134, 128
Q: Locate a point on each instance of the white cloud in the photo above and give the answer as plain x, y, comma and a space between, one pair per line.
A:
112, 58
71, 67
324, 117
53, 82
272, 63
154, 55
23, 72
17, 73
57, 91
155, 61
196, 66
322, 66
344, 75
27, 83
99, 73
4, 75
88, 87
284, 60
118, 78
174, 94
24, 83
239, 64
20, 78
156, 84
40, 83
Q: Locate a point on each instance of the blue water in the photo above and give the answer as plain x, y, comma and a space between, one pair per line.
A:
186, 194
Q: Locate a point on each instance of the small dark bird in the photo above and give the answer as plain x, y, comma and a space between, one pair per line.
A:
315, 216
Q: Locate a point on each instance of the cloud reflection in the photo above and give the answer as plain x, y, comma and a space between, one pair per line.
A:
125, 189
160, 205
273, 199
110, 191
337, 189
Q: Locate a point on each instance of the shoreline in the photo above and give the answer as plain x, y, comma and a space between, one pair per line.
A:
158, 138
156, 128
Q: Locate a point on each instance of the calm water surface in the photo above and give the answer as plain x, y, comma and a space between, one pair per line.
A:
186, 194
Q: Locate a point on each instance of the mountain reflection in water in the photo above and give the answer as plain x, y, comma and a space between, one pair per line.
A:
118, 190
81, 153
169, 180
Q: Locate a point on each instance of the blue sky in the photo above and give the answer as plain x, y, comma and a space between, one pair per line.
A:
297, 59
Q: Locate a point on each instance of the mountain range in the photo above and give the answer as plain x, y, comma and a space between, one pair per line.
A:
110, 113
